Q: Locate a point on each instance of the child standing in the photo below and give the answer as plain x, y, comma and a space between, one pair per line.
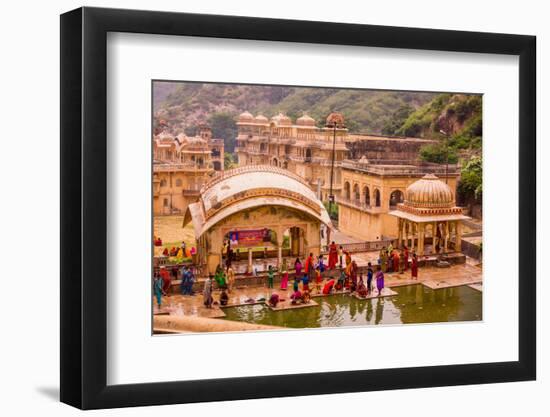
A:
270, 276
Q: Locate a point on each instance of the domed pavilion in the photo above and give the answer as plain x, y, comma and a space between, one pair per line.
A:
255, 207
429, 215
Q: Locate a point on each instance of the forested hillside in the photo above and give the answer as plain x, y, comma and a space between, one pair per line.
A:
456, 121
183, 105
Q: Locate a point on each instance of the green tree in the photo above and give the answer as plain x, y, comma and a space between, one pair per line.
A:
437, 152
223, 126
229, 161
392, 125
471, 178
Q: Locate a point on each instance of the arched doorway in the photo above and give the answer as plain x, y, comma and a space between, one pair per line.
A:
396, 197
347, 191
294, 241
356, 193
217, 166
366, 195
377, 197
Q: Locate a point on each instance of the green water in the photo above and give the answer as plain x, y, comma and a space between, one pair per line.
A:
412, 304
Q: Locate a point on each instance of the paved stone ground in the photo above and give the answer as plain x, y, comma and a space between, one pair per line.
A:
342, 238
432, 277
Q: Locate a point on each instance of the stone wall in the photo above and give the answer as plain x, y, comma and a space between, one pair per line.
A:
384, 148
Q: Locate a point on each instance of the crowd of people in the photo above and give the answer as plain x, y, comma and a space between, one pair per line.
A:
308, 276
393, 260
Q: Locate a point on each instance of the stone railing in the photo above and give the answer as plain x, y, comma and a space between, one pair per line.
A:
221, 175
359, 205
367, 246
180, 166
419, 170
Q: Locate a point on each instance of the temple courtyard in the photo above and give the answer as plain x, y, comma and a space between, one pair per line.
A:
437, 291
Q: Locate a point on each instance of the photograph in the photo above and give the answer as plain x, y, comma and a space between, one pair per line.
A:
279, 207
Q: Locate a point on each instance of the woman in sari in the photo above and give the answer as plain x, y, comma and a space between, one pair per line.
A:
379, 281
395, 261
414, 267
157, 287
207, 292
348, 263
332, 255
318, 280
384, 259
230, 279
274, 300
166, 280
361, 289
220, 277
296, 297
284, 277
321, 263
406, 258
353, 274
327, 289
298, 267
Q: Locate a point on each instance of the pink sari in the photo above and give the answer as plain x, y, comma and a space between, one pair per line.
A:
284, 281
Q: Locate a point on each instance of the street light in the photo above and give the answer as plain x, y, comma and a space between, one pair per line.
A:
446, 153
334, 121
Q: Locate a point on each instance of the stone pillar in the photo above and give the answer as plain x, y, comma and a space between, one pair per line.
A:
399, 231
405, 233
280, 240
249, 268
434, 237
458, 244
421, 227
446, 236
411, 227
328, 236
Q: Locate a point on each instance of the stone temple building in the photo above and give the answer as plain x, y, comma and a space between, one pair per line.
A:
371, 189
306, 149
301, 147
256, 201
181, 166
429, 215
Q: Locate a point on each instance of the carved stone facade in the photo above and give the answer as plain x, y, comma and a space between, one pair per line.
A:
371, 191
306, 149
181, 166
301, 147
250, 198
429, 214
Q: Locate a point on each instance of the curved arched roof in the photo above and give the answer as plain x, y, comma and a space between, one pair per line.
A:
249, 187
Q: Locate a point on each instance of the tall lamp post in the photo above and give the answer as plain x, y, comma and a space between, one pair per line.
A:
446, 153
334, 121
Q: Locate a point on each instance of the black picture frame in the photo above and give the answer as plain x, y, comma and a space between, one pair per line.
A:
84, 207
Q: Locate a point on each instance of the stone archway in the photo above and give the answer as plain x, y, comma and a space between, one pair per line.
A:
396, 197
296, 241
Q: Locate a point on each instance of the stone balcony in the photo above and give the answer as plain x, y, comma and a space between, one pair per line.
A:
356, 204
191, 192
182, 166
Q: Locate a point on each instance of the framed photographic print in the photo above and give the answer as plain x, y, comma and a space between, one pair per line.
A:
247, 199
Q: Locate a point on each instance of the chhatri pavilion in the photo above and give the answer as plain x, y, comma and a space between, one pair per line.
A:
429, 215
242, 204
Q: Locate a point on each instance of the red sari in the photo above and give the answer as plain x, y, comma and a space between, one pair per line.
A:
332, 256
328, 287
406, 260
395, 261
309, 265
414, 268
165, 280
